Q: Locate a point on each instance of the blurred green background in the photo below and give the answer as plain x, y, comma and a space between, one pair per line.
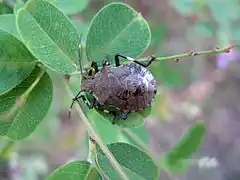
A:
201, 87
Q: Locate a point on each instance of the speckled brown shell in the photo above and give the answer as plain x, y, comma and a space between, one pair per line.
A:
129, 87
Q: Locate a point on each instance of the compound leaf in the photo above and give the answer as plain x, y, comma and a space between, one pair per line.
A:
75, 170
23, 108
117, 28
135, 162
49, 35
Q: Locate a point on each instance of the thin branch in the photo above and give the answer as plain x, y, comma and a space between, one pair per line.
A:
194, 53
96, 137
184, 55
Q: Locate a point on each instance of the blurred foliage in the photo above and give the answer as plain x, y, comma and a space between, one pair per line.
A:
5, 9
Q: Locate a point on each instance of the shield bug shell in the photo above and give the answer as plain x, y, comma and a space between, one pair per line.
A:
119, 90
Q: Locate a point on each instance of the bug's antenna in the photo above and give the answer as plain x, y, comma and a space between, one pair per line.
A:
80, 53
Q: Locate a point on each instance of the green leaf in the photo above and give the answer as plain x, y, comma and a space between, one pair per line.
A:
16, 62
26, 105
178, 167
187, 146
8, 24
49, 35
75, 170
117, 28
73, 6
12, 74
135, 162
108, 136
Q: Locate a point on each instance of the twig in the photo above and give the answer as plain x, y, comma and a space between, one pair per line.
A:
184, 55
194, 53
96, 137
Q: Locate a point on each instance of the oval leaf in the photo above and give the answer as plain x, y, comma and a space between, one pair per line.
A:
12, 74
117, 28
26, 105
75, 170
186, 147
135, 162
49, 35
16, 62
8, 24
72, 7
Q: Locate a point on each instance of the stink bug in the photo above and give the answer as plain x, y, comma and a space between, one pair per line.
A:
118, 90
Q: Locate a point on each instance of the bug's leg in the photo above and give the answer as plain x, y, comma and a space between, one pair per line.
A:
80, 96
94, 69
73, 101
114, 120
90, 106
117, 61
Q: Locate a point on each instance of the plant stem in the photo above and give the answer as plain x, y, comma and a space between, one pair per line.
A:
184, 55
193, 53
5, 150
92, 132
